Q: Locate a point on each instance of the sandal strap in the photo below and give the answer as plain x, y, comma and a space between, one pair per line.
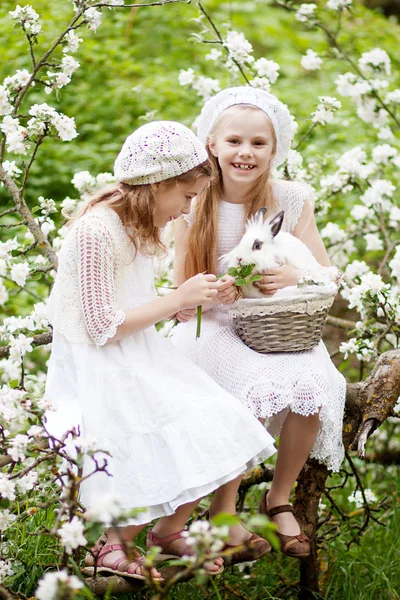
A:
276, 510
163, 541
137, 563
106, 550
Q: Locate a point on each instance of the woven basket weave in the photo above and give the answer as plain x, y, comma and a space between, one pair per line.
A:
283, 325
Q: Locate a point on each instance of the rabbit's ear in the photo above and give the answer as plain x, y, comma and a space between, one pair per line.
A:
260, 214
276, 223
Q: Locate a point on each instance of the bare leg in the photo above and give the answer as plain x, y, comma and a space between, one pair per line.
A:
176, 522
296, 440
225, 501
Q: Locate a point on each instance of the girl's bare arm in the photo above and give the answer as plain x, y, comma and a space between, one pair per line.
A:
307, 231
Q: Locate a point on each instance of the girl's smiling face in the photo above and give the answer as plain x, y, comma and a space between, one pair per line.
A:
244, 143
173, 200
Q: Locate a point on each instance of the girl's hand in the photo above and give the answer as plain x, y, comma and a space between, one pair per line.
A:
197, 290
227, 291
184, 316
276, 279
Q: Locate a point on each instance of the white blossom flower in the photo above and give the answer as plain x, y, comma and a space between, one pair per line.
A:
11, 168
69, 65
7, 487
345, 83
68, 204
6, 519
394, 216
35, 431
186, 77
26, 483
65, 127
17, 81
16, 135
105, 509
3, 294
6, 107
267, 68
28, 18
349, 347
206, 86
261, 82
379, 190
338, 4
375, 61
333, 233
358, 499
373, 242
393, 97
19, 346
324, 112
47, 226
311, 61
214, 55
71, 535
306, 12
49, 585
356, 269
93, 18
71, 42
19, 272
104, 179
369, 112
383, 154
18, 447
239, 47
386, 134
394, 264
5, 570
83, 181
359, 212
47, 205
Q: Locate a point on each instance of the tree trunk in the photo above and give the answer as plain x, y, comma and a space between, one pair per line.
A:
368, 404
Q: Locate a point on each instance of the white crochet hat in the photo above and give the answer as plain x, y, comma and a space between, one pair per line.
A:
158, 151
281, 119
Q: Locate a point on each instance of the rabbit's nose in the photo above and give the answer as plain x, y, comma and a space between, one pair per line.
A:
239, 260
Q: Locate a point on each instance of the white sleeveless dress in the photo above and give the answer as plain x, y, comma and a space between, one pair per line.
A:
268, 384
173, 434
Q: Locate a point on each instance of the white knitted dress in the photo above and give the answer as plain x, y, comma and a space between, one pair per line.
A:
173, 434
269, 384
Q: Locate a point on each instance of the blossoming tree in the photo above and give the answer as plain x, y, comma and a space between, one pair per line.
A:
39, 473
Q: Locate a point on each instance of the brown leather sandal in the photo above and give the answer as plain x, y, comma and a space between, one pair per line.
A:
296, 546
164, 542
252, 549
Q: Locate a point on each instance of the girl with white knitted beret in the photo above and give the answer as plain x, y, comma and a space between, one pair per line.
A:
299, 394
172, 433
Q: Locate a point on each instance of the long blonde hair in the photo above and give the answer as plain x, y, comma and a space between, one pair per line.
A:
202, 244
135, 206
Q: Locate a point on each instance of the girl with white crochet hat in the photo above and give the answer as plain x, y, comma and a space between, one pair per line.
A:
301, 394
172, 433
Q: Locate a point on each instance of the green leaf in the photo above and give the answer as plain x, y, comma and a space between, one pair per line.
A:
225, 519
239, 281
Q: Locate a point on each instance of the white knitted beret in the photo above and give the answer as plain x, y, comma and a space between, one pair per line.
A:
158, 151
281, 119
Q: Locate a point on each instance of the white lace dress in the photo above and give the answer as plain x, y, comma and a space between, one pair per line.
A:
269, 384
173, 434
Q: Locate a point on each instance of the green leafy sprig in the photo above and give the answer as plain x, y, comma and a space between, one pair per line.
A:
243, 275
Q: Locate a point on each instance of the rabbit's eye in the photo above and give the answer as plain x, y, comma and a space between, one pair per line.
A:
257, 245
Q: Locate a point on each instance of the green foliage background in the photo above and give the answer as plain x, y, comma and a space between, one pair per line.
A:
129, 69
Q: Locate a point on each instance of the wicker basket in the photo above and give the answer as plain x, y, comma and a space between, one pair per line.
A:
281, 325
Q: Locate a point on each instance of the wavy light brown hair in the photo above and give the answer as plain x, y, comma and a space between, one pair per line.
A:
135, 205
202, 241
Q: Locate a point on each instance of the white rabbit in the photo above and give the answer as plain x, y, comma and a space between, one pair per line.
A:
266, 246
